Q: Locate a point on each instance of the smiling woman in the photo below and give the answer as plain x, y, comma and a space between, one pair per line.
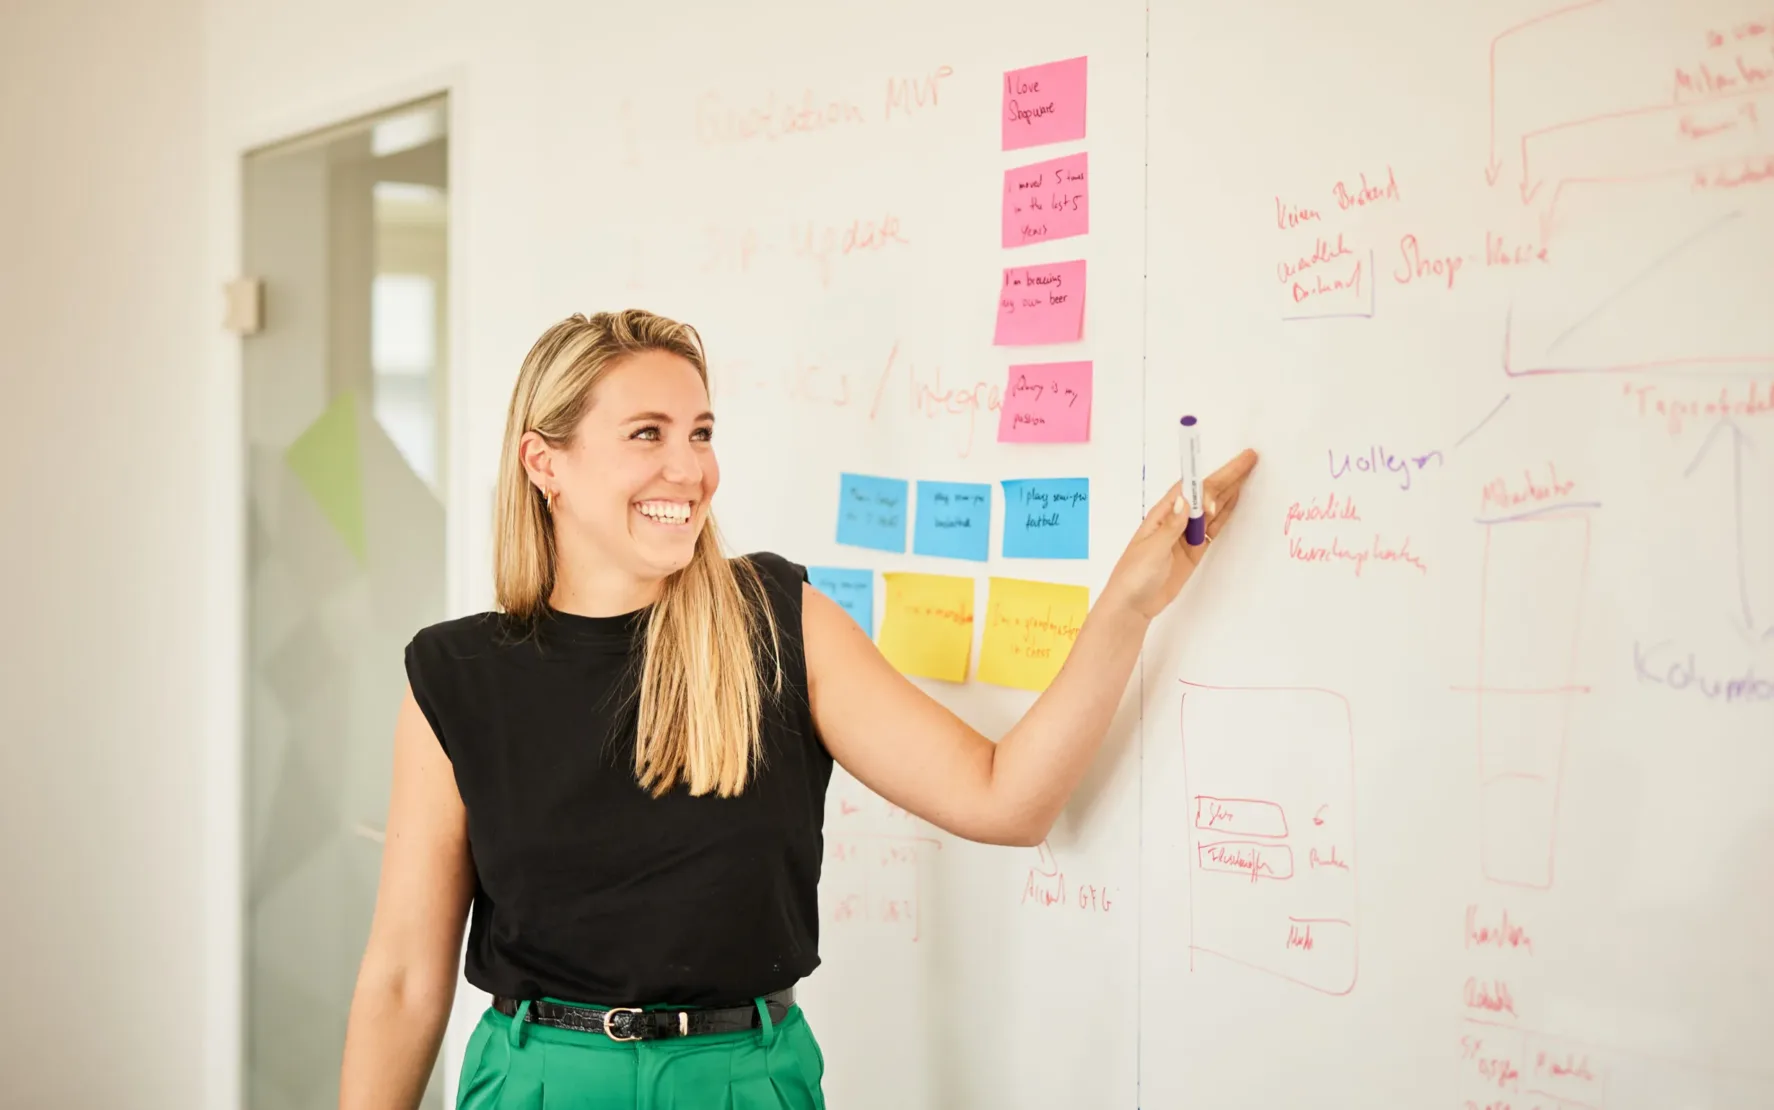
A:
621, 772
628, 450
609, 435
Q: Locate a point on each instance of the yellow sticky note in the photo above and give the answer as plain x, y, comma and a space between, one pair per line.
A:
927, 626
1030, 629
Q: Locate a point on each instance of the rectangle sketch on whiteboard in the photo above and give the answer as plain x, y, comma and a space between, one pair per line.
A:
1535, 575
1270, 815
877, 858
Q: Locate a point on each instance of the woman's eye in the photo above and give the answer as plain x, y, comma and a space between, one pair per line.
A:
649, 432
703, 434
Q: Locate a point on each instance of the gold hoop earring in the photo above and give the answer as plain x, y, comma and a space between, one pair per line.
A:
549, 497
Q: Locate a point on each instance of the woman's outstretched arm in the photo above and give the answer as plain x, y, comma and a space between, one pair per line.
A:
910, 749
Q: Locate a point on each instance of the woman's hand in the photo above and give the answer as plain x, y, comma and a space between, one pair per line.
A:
1151, 572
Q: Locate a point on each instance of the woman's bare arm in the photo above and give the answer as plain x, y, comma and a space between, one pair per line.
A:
406, 982
909, 748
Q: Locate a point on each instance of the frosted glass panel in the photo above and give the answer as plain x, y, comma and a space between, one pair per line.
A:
344, 422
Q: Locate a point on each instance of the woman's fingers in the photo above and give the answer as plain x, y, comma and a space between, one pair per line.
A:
1163, 507
1224, 483
1226, 505
1236, 470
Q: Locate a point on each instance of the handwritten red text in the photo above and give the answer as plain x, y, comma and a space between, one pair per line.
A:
1563, 1066
907, 95
1492, 997
927, 396
1503, 934
1244, 816
1498, 251
771, 118
1364, 193
1356, 558
1259, 861
1319, 287
1754, 171
1748, 400
1420, 266
1331, 508
1299, 936
1500, 495
1046, 887
1322, 252
820, 245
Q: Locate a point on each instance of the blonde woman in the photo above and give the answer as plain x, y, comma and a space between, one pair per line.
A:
621, 773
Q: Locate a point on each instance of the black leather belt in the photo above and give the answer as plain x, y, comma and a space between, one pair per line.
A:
631, 1023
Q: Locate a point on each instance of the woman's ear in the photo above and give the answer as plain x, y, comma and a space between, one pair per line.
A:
538, 460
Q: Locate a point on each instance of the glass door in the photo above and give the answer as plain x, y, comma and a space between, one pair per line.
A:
344, 390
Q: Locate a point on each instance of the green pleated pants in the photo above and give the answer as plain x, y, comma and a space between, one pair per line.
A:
512, 1064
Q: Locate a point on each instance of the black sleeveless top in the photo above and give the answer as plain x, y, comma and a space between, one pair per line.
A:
587, 888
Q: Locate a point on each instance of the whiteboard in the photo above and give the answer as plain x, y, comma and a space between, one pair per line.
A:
1447, 780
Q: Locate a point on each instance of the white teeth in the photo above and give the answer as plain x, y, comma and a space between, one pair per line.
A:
665, 512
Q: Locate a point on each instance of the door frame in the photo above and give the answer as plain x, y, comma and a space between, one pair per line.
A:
224, 538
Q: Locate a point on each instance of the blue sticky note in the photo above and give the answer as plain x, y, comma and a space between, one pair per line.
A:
1047, 518
871, 512
852, 589
954, 520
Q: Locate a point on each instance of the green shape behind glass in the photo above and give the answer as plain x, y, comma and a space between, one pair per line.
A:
325, 458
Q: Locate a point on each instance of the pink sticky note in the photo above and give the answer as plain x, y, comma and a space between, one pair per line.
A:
1046, 403
1048, 200
1041, 304
1044, 104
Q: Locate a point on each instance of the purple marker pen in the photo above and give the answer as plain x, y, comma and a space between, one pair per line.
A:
1195, 533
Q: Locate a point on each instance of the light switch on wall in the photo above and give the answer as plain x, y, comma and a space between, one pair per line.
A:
245, 306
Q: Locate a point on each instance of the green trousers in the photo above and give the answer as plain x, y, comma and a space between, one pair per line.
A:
512, 1064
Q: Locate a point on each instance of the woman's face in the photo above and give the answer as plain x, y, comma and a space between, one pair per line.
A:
635, 482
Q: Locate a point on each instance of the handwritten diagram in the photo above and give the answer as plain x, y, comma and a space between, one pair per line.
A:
1517, 1067
875, 857
1503, 1064
1686, 129
1269, 776
1536, 565
1637, 319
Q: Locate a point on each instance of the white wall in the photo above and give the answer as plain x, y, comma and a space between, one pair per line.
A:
103, 311
121, 130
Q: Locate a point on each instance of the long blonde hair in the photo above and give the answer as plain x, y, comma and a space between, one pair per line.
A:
701, 689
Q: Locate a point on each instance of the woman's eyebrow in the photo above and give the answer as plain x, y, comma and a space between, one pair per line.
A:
664, 418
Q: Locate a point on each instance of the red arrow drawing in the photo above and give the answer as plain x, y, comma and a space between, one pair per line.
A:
1492, 166
1530, 184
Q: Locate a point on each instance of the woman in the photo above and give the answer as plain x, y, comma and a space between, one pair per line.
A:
622, 770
